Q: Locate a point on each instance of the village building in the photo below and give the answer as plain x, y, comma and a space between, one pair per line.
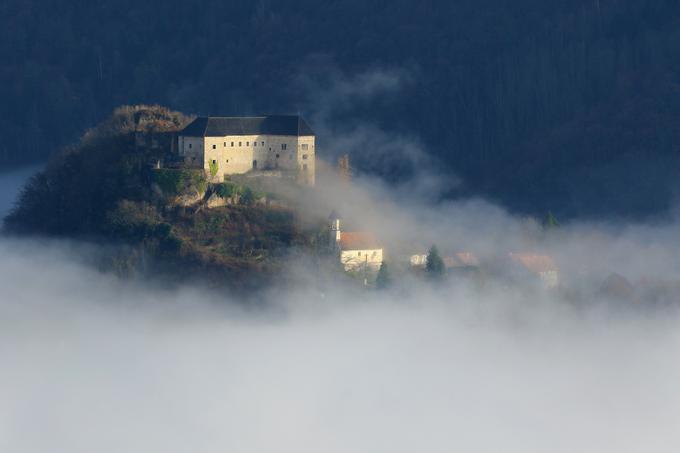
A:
357, 250
541, 266
224, 146
459, 260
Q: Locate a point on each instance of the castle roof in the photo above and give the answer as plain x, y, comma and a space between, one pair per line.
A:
358, 240
220, 126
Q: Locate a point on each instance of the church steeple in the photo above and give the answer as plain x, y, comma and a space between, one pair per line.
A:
335, 233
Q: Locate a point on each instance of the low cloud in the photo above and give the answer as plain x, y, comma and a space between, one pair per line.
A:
89, 362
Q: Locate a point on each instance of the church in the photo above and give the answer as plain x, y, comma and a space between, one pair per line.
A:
358, 250
224, 146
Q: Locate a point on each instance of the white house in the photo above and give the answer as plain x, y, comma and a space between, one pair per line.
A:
541, 266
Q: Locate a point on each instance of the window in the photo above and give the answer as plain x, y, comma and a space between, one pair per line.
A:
277, 156
359, 253
214, 146
240, 143
263, 144
304, 157
193, 159
227, 160
255, 144
232, 144
270, 148
247, 143
304, 146
189, 145
283, 146
214, 162
225, 144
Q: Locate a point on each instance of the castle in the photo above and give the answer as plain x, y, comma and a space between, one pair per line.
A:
225, 146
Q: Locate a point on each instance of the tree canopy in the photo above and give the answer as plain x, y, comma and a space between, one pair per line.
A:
536, 104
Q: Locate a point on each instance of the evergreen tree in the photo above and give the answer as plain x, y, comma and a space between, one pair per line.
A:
550, 222
384, 278
435, 264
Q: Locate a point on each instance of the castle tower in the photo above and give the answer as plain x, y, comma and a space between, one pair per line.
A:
335, 233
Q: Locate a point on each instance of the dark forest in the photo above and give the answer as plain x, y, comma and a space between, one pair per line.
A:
571, 106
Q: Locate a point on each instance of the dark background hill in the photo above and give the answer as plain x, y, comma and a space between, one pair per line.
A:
566, 105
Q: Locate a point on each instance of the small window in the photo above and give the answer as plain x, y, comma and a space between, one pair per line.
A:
304, 157
225, 144
193, 159
262, 143
232, 144
270, 148
247, 143
359, 253
277, 156
189, 145
304, 146
283, 146
254, 143
240, 143
227, 160
214, 162
214, 146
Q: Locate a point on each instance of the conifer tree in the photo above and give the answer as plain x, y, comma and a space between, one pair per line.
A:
384, 278
435, 264
550, 222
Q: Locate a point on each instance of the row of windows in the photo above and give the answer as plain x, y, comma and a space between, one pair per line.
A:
304, 167
284, 146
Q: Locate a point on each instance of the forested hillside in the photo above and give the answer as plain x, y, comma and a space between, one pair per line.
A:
572, 106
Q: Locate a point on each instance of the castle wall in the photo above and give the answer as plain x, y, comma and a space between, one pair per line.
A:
243, 153
191, 149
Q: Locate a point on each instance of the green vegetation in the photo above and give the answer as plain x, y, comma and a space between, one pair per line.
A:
105, 189
550, 222
384, 279
435, 264
176, 181
214, 168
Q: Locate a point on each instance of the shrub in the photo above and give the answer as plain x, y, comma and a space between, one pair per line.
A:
226, 189
214, 168
173, 182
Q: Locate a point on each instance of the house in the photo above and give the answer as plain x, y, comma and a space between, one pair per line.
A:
357, 250
541, 266
224, 146
459, 260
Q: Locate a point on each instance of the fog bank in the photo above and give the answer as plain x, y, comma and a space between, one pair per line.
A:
89, 362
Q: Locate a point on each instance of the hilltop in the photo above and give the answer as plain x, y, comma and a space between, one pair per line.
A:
108, 188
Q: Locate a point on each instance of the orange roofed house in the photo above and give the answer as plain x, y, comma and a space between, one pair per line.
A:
357, 250
541, 266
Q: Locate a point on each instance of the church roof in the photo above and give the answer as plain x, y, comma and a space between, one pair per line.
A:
220, 126
358, 240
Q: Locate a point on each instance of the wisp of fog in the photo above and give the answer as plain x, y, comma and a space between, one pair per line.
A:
89, 362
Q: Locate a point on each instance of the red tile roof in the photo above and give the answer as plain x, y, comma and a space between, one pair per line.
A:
534, 263
358, 240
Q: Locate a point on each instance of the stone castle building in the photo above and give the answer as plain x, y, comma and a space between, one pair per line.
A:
225, 146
